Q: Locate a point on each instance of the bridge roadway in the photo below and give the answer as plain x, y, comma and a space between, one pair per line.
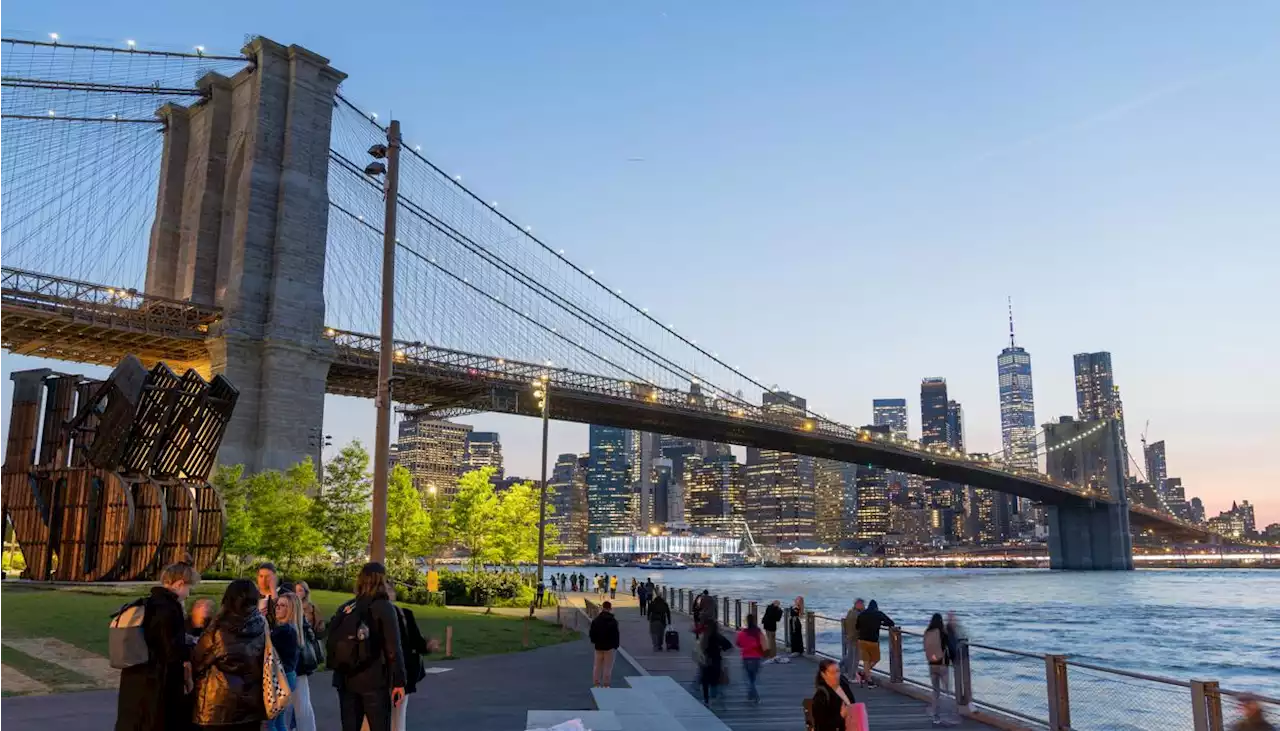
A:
65, 319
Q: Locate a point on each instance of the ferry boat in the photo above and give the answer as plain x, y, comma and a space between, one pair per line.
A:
733, 561
662, 562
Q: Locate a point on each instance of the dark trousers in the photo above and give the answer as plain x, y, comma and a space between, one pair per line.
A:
355, 707
657, 633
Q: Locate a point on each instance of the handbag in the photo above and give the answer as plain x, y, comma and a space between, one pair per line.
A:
276, 693
856, 718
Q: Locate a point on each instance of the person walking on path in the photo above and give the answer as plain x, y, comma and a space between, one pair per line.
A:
937, 651
227, 664
605, 638
849, 653
832, 698
365, 653
310, 658
153, 695
750, 644
869, 624
795, 625
641, 593
634, 585
1252, 717
286, 638
414, 647
659, 615
772, 615
712, 646
699, 607
542, 589
613, 586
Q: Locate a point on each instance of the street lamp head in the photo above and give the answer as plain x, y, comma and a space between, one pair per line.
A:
375, 168
378, 151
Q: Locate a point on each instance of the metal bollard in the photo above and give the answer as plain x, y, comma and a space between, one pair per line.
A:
1206, 705
680, 600
751, 609
895, 654
810, 633
737, 613
724, 616
964, 681
1055, 675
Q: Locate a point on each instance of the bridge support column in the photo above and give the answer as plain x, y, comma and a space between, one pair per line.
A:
241, 223
1089, 535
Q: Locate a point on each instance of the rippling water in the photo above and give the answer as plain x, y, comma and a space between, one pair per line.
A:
1207, 624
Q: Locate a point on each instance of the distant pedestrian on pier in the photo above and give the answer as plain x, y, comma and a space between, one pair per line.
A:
641, 593
712, 647
750, 644
634, 586
795, 624
605, 638
869, 624
772, 615
1251, 716
849, 654
832, 698
937, 651
613, 587
542, 589
659, 615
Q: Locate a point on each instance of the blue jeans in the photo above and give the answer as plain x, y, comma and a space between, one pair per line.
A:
751, 667
281, 722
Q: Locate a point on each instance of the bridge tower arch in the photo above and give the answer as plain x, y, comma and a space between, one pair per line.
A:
1095, 535
241, 223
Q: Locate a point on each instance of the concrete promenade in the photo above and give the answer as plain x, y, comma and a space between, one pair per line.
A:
783, 687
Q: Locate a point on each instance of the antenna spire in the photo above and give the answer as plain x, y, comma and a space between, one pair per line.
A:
1011, 342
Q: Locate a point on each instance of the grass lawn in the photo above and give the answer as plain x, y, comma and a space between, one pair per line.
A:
79, 616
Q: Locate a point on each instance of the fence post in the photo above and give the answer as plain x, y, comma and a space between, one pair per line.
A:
752, 608
1055, 675
810, 633
725, 616
448, 641
1206, 705
737, 614
844, 645
679, 600
895, 654
964, 680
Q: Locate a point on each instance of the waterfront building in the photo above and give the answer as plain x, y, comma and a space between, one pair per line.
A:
484, 449
831, 501
1176, 498
433, 450
568, 485
892, 414
1098, 396
1156, 467
1197, 510
780, 485
642, 449
608, 490
715, 494
933, 411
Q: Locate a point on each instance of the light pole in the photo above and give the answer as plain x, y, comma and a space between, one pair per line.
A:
382, 435
542, 392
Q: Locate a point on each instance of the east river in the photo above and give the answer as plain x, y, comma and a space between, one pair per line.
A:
1204, 624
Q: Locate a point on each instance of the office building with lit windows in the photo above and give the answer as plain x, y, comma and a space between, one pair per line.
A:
608, 488
1018, 429
1098, 396
1157, 468
715, 494
833, 499
484, 450
780, 485
873, 497
568, 485
433, 451
892, 413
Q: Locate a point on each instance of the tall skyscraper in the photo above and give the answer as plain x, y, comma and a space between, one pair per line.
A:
608, 490
1176, 498
780, 499
830, 501
1098, 396
1157, 468
1017, 404
642, 448
873, 498
433, 451
715, 494
569, 497
892, 413
662, 481
933, 411
484, 450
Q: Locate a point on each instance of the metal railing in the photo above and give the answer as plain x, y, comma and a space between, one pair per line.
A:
1042, 691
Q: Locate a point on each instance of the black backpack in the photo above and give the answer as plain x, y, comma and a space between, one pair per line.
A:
352, 646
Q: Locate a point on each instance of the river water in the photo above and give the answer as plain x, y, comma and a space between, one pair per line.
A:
1204, 624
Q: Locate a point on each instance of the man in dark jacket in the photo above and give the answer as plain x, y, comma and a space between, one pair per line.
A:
604, 636
152, 695
869, 624
772, 615
659, 618
375, 689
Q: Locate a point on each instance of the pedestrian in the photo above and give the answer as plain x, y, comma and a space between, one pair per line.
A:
711, 672
750, 642
613, 586
700, 605
772, 615
937, 652
268, 591
364, 651
869, 624
659, 615
414, 646
832, 698
227, 664
202, 611
1252, 717
849, 652
311, 656
605, 638
286, 638
153, 694
956, 634
634, 585
542, 588
795, 626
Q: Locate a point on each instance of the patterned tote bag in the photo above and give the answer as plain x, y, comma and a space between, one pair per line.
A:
275, 684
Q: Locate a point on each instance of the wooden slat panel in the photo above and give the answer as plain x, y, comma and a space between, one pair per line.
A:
175, 544
20, 494
208, 527
109, 526
145, 533
59, 407
82, 439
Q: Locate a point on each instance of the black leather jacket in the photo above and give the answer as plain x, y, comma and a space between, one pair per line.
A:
227, 666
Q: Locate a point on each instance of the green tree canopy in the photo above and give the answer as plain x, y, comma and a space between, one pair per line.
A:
280, 511
515, 535
408, 523
472, 515
342, 510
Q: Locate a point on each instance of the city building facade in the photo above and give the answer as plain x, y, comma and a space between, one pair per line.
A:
608, 488
433, 450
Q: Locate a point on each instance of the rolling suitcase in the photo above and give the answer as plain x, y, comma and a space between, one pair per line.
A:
672, 638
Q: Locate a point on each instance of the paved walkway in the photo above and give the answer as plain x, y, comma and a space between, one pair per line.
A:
782, 687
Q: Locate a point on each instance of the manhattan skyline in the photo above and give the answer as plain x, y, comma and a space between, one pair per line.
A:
804, 167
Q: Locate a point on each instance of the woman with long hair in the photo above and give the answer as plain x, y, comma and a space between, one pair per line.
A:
286, 637
713, 645
310, 657
937, 650
832, 698
365, 653
227, 664
751, 643
795, 623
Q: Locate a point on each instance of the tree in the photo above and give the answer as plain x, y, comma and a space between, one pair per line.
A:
407, 521
280, 511
341, 512
242, 536
472, 515
438, 532
515, 537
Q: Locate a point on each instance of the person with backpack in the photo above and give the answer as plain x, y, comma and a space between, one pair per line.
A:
414, 646
227, 664
869, 624
605, 638
148, 641
364, 651
937, 652
659, 615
